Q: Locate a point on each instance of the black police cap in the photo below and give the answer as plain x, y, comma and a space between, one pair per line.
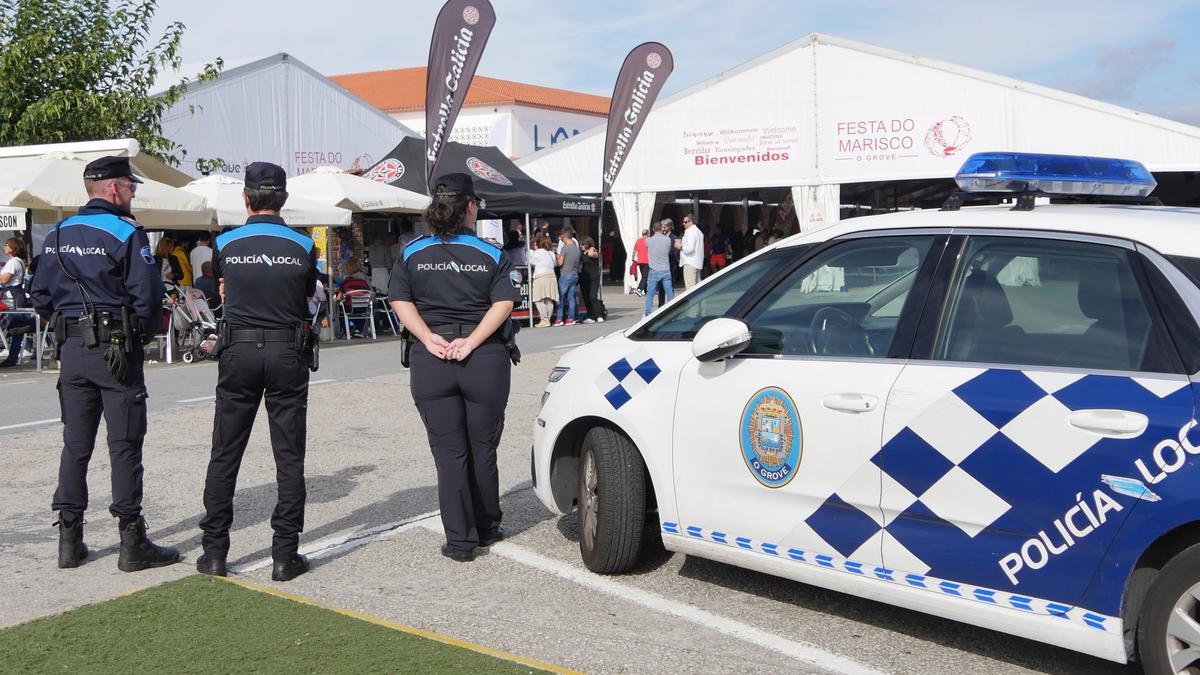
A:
266, 176
454, 184
109, 167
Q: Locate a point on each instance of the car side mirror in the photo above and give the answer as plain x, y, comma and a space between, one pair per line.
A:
719, 339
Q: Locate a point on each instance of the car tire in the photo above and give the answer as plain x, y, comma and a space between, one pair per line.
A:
1164, 630
612, 502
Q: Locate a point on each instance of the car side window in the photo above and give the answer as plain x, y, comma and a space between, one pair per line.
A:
714, 299
1046, 302
845, 301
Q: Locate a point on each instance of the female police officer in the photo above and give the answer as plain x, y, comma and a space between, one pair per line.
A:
454, 292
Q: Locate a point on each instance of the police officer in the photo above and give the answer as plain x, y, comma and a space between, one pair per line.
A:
454, 292
267, 272
101, 287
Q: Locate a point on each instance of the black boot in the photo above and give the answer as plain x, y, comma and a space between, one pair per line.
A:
211, 564
71, 549
286, 570
139, 553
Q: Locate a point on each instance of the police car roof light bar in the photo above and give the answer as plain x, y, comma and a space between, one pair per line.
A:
1054, 175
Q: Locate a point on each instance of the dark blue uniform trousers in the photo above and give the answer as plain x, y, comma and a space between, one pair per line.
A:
85, 391
245, 374
462, 405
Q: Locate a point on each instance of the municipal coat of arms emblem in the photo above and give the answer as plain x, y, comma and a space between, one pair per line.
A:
771, 437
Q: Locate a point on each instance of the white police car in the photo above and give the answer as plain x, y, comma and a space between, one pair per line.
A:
984, 413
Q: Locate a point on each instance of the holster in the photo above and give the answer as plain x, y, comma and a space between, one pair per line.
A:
58, 324
310, 345
224, 339
508, 333
406, 345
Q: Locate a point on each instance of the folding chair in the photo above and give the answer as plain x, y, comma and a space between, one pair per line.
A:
382, 307
359, 306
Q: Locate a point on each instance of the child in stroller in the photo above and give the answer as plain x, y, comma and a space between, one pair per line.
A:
196, 324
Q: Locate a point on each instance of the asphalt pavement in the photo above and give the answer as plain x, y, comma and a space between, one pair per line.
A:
373, 530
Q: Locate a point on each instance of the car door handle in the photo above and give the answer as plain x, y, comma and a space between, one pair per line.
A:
1111, 423
850, 403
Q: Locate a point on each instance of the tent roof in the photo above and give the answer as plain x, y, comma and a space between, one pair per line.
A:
277, 109
828, 110
505, 188
403, 90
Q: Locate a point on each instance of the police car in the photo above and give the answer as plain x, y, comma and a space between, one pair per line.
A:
985, 413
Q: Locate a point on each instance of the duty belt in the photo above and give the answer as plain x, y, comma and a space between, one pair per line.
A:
261, 335
454, 330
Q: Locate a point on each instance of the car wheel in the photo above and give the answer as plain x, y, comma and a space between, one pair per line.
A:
612, 502
1169, 627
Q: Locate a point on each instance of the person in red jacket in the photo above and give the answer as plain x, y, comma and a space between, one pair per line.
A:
641, 260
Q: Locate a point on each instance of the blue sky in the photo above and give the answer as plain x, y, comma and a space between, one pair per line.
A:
1144, 55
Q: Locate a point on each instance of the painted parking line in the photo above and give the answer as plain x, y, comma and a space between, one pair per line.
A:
197, 399
573, 344
315, 382
806, 653
342, 543
411, 630
35, 423
6, 384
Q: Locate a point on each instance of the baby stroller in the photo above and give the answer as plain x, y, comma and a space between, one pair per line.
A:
196, 325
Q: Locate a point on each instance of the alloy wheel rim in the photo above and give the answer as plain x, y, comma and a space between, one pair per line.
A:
1183, 633
590, 517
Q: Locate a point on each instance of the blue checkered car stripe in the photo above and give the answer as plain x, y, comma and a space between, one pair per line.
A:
941, 587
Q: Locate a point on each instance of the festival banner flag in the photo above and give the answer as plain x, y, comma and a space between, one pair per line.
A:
642, 76
459, 36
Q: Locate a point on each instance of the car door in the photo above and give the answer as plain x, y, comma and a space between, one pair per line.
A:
1012, 439
772, 447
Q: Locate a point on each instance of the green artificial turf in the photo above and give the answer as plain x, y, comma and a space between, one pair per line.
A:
203, 625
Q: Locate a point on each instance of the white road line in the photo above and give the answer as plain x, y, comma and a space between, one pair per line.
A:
198, 399
345, 542
800, 651
573, 344
36, 423
17, 382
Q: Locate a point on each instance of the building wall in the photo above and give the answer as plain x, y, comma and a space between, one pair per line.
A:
517, 130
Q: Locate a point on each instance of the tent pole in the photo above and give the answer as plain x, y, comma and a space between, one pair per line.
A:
528, 269
333, 306
600, 253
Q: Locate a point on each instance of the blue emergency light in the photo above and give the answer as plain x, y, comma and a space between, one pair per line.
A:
1054, 175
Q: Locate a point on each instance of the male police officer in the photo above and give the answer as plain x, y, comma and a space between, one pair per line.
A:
267, 272
103, 287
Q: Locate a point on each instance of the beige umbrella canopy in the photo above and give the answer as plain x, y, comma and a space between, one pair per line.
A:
331, 185
224, 195
54, 182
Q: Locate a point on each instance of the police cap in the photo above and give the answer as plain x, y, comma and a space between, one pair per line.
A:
454, 184
109, 167
266, 176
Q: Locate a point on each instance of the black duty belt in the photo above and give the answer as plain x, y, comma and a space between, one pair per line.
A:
454, 330
262, 335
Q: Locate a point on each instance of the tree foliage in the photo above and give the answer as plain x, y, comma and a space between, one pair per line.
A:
80, 70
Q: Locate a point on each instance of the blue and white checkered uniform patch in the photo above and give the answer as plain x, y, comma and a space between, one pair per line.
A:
627, 377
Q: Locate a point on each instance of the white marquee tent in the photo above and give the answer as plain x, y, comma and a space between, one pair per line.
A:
277, 109
823, 112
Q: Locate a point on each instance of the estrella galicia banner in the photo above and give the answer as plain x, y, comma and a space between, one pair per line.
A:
459, 36
642, 76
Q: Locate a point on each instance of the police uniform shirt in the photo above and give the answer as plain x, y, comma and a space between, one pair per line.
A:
453, 280
106, 249
270, 271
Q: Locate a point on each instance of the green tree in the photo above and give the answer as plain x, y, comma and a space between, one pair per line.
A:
81, 70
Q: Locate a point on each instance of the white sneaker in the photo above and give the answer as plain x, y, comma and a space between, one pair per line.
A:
600, 319
588, 320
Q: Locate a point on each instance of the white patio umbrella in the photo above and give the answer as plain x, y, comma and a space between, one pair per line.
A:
54, 182
331, 185
224, 195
